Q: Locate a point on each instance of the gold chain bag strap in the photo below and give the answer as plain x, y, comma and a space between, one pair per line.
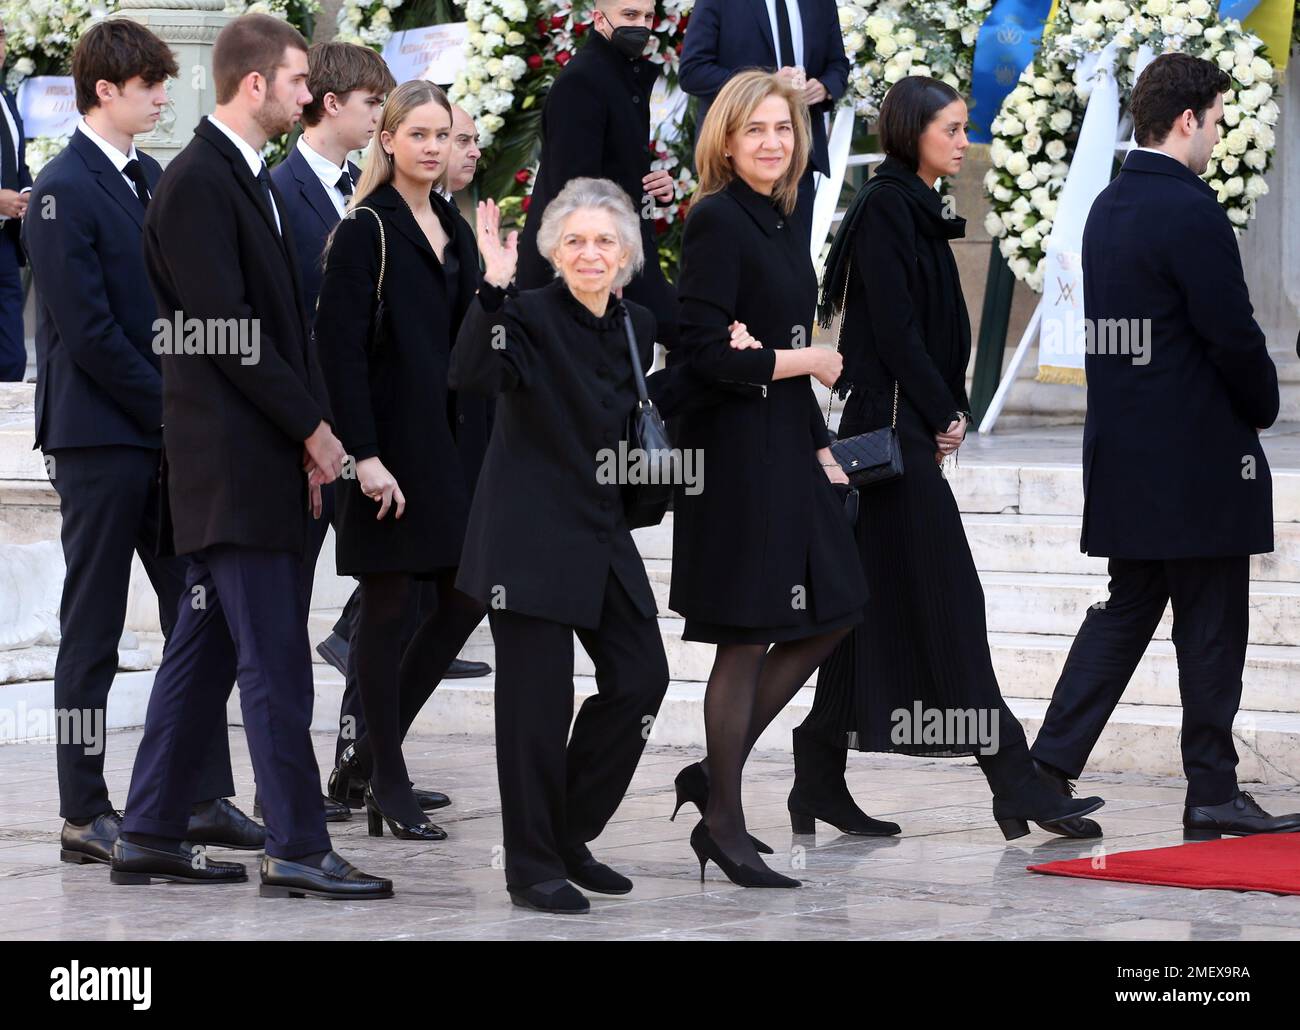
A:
868, 458
378, 336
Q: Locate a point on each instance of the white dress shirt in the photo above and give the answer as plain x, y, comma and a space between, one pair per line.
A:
328, 173
796, 29
250, 155
111, 152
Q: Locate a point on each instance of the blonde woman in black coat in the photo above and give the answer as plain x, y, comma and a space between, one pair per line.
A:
401, 516
763, 559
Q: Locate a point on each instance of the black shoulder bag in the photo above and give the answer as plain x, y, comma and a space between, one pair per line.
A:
378, 335
646, 498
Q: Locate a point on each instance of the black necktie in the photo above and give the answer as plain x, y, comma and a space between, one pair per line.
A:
785, 40
8, 161
133, 171
345, 183
264, 180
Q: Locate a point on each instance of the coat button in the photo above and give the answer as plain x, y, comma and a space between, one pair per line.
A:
460, 419
636, 100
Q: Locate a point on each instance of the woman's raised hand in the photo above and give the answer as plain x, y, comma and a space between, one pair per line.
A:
499, 259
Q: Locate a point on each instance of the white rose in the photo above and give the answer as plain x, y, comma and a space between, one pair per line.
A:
1256, 187
1043, 86
1056, 149
1225, 60
1255, 159
1002, 194
1229, 165
1116, 10
1231, 115
1008, 220
1017, 164
1021, 205
999, 152
1171, 26
1012, 126
1268, 113
1262, 69
1026, 180
1157, 7
993, 224
886, 47
905, 36
1061, 120
1030, 237
1214, 33
1042, 171
1021, 267
1236, 141
1031, 143
1243, 73
1237, 216
1198, 8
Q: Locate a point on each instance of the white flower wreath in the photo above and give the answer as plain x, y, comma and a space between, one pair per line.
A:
1036, 128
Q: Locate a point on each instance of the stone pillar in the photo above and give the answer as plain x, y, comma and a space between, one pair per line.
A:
190, 28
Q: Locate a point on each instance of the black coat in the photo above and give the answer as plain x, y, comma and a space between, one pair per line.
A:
393, 401
1169, 445
311, 215
23, 177
767, 517
233, 433
596, 123
727, 36
545, 531
900, 245
97, 378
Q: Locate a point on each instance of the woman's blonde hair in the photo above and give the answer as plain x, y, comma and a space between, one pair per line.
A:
378, 170
729, 112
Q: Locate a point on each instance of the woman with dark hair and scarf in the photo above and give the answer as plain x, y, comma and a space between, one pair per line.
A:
923, 640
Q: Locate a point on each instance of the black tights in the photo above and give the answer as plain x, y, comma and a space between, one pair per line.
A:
748, 687
395, 684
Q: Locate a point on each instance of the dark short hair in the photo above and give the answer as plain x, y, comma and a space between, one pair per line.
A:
909, 106
251, 43
340, 68
117, 50
1168, 86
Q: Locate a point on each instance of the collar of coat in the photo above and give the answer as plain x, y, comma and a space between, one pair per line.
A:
1162, 164
762, 209
385, 198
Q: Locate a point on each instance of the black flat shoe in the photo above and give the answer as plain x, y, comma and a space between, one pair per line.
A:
334, 649
692, 784
400, 830
586, 872
1057, 781
459, 670
337, 880
185, 863
558, 897
1239, 817
334, 812
90, 841
219, 824
706, 848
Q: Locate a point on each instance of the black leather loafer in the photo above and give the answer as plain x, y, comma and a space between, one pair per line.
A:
186, 863
219, 824
338, 880
586, 872
91, 841
1237, 818
459, 670
558, 897
334, 649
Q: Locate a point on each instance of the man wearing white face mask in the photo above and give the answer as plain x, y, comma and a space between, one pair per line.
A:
596, 123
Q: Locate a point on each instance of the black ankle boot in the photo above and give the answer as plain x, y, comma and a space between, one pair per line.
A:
1020, 796
820, 792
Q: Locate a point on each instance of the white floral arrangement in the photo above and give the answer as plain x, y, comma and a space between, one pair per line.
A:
41, 150
485, 86
1036, 128
41, 33
276, 8
366, 24
887, 40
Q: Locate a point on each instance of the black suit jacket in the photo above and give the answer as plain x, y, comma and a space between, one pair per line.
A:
596, 123
1172, 463
711, 54
13, 226
232, 432
97, 377
311, 215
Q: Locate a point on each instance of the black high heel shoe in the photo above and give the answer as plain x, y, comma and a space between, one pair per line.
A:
705, 848
692, 784
402, 831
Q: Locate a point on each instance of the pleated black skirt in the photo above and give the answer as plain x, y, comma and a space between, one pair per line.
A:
923, 637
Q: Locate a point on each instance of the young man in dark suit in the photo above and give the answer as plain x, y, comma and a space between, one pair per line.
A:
1177, 492
99, 418
15, 185
798, 39
247, 445
596, 123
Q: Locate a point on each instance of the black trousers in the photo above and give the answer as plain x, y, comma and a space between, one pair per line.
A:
246, 618
1211, 599
108, 498
558, 791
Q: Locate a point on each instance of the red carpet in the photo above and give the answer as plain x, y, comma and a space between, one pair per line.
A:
1265, 862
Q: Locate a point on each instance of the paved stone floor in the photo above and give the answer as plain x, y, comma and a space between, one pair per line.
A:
949, 876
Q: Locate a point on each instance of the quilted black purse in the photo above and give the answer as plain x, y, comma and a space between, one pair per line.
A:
644, 503
868, 458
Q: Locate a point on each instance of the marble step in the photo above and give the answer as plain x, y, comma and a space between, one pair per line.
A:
1139, 738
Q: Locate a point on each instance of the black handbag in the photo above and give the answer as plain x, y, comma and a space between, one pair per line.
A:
651, 452
868, 458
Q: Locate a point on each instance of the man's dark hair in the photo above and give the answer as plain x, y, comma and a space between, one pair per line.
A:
1170, 85
251, 43
909, 106
115, 51
340, 68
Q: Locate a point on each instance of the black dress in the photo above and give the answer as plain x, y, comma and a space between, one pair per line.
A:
923, 637
393, 401
763, 552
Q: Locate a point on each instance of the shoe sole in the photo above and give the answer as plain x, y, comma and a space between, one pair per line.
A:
1201, 835
273, 890
549, 911
128, 879
599, 890
81, 858
332, 660
806, 826
1073, 815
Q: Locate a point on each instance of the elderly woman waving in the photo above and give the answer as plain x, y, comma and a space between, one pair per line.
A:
548, 548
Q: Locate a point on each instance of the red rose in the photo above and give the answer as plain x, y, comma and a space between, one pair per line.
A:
557, 21
579, 30
661, 226
534, 61
526, 203
521, 176
562, 58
